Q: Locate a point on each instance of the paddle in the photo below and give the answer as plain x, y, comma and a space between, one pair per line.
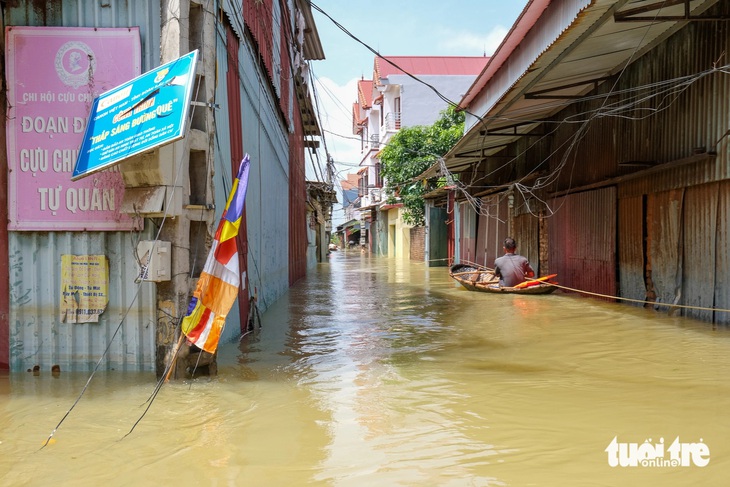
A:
533, 282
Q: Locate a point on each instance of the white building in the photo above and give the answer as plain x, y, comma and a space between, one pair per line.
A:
405, 91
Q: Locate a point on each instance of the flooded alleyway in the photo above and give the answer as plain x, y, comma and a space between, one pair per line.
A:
378, 372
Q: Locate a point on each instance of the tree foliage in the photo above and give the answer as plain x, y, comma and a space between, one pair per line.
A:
410, 152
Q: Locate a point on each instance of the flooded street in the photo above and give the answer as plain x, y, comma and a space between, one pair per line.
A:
377, 372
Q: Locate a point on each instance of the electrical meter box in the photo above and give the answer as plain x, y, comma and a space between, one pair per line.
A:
154, 260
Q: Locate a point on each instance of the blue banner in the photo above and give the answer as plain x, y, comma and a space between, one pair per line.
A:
149, 111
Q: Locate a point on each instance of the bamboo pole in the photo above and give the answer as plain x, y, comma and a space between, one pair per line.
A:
173, 360
471, 272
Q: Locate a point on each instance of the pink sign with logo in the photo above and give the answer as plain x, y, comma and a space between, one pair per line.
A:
54, 74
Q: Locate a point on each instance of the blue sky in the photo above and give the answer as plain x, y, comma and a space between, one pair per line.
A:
408, 28
397, 28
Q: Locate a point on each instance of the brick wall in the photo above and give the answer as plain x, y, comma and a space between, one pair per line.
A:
418, 244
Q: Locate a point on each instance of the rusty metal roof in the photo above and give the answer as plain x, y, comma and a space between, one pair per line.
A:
312, 44
556, 52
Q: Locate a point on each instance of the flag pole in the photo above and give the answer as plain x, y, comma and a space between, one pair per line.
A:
219, 282
173, 360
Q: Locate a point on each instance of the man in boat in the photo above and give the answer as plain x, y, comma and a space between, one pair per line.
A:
512, 268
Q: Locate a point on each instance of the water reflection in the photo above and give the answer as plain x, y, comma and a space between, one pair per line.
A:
379, 372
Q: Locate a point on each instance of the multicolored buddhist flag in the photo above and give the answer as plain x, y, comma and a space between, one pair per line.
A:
218, 284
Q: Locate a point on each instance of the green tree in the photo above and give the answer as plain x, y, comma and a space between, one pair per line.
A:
410, 152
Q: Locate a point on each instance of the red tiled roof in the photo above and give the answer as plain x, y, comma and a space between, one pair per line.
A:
356, 122
350, 182
433, 65
365, 93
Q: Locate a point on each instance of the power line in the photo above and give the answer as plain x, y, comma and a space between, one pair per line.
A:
631, 107
359, 41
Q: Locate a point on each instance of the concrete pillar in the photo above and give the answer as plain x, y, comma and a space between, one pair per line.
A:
186, 26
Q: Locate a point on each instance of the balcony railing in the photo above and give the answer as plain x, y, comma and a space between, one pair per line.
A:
376, 194
392, 121
373, 197
375, 141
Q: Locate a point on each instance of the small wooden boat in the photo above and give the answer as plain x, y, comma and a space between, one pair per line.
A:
482, 279
471, 276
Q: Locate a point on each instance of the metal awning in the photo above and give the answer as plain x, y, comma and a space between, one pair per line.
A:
352, 224
309, 115
312, 44
438, 192
568, 50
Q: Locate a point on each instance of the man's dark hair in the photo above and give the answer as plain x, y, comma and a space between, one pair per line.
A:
509, 243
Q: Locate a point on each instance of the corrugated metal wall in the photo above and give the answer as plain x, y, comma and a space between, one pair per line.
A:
672, 225
37, 336
290, 107
687, 242
583, 241
451, 215
700, 228
436, 245
492, 229
297, 202
687, 121
229, 149
258, 17
664, 216
722, 255
267, 203
631, 248
467, 232
641, 188
272, 133
688, 257
526, 232
4, 280
276, 223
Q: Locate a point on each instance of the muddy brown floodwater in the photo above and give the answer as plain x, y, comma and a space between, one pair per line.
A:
378, 372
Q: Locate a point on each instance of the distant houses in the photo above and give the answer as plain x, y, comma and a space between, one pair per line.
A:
400, 94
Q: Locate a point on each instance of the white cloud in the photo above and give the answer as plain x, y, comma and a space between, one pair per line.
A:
335, 109
335, 113
470, 44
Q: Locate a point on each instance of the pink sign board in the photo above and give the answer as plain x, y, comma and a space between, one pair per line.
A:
54, 74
